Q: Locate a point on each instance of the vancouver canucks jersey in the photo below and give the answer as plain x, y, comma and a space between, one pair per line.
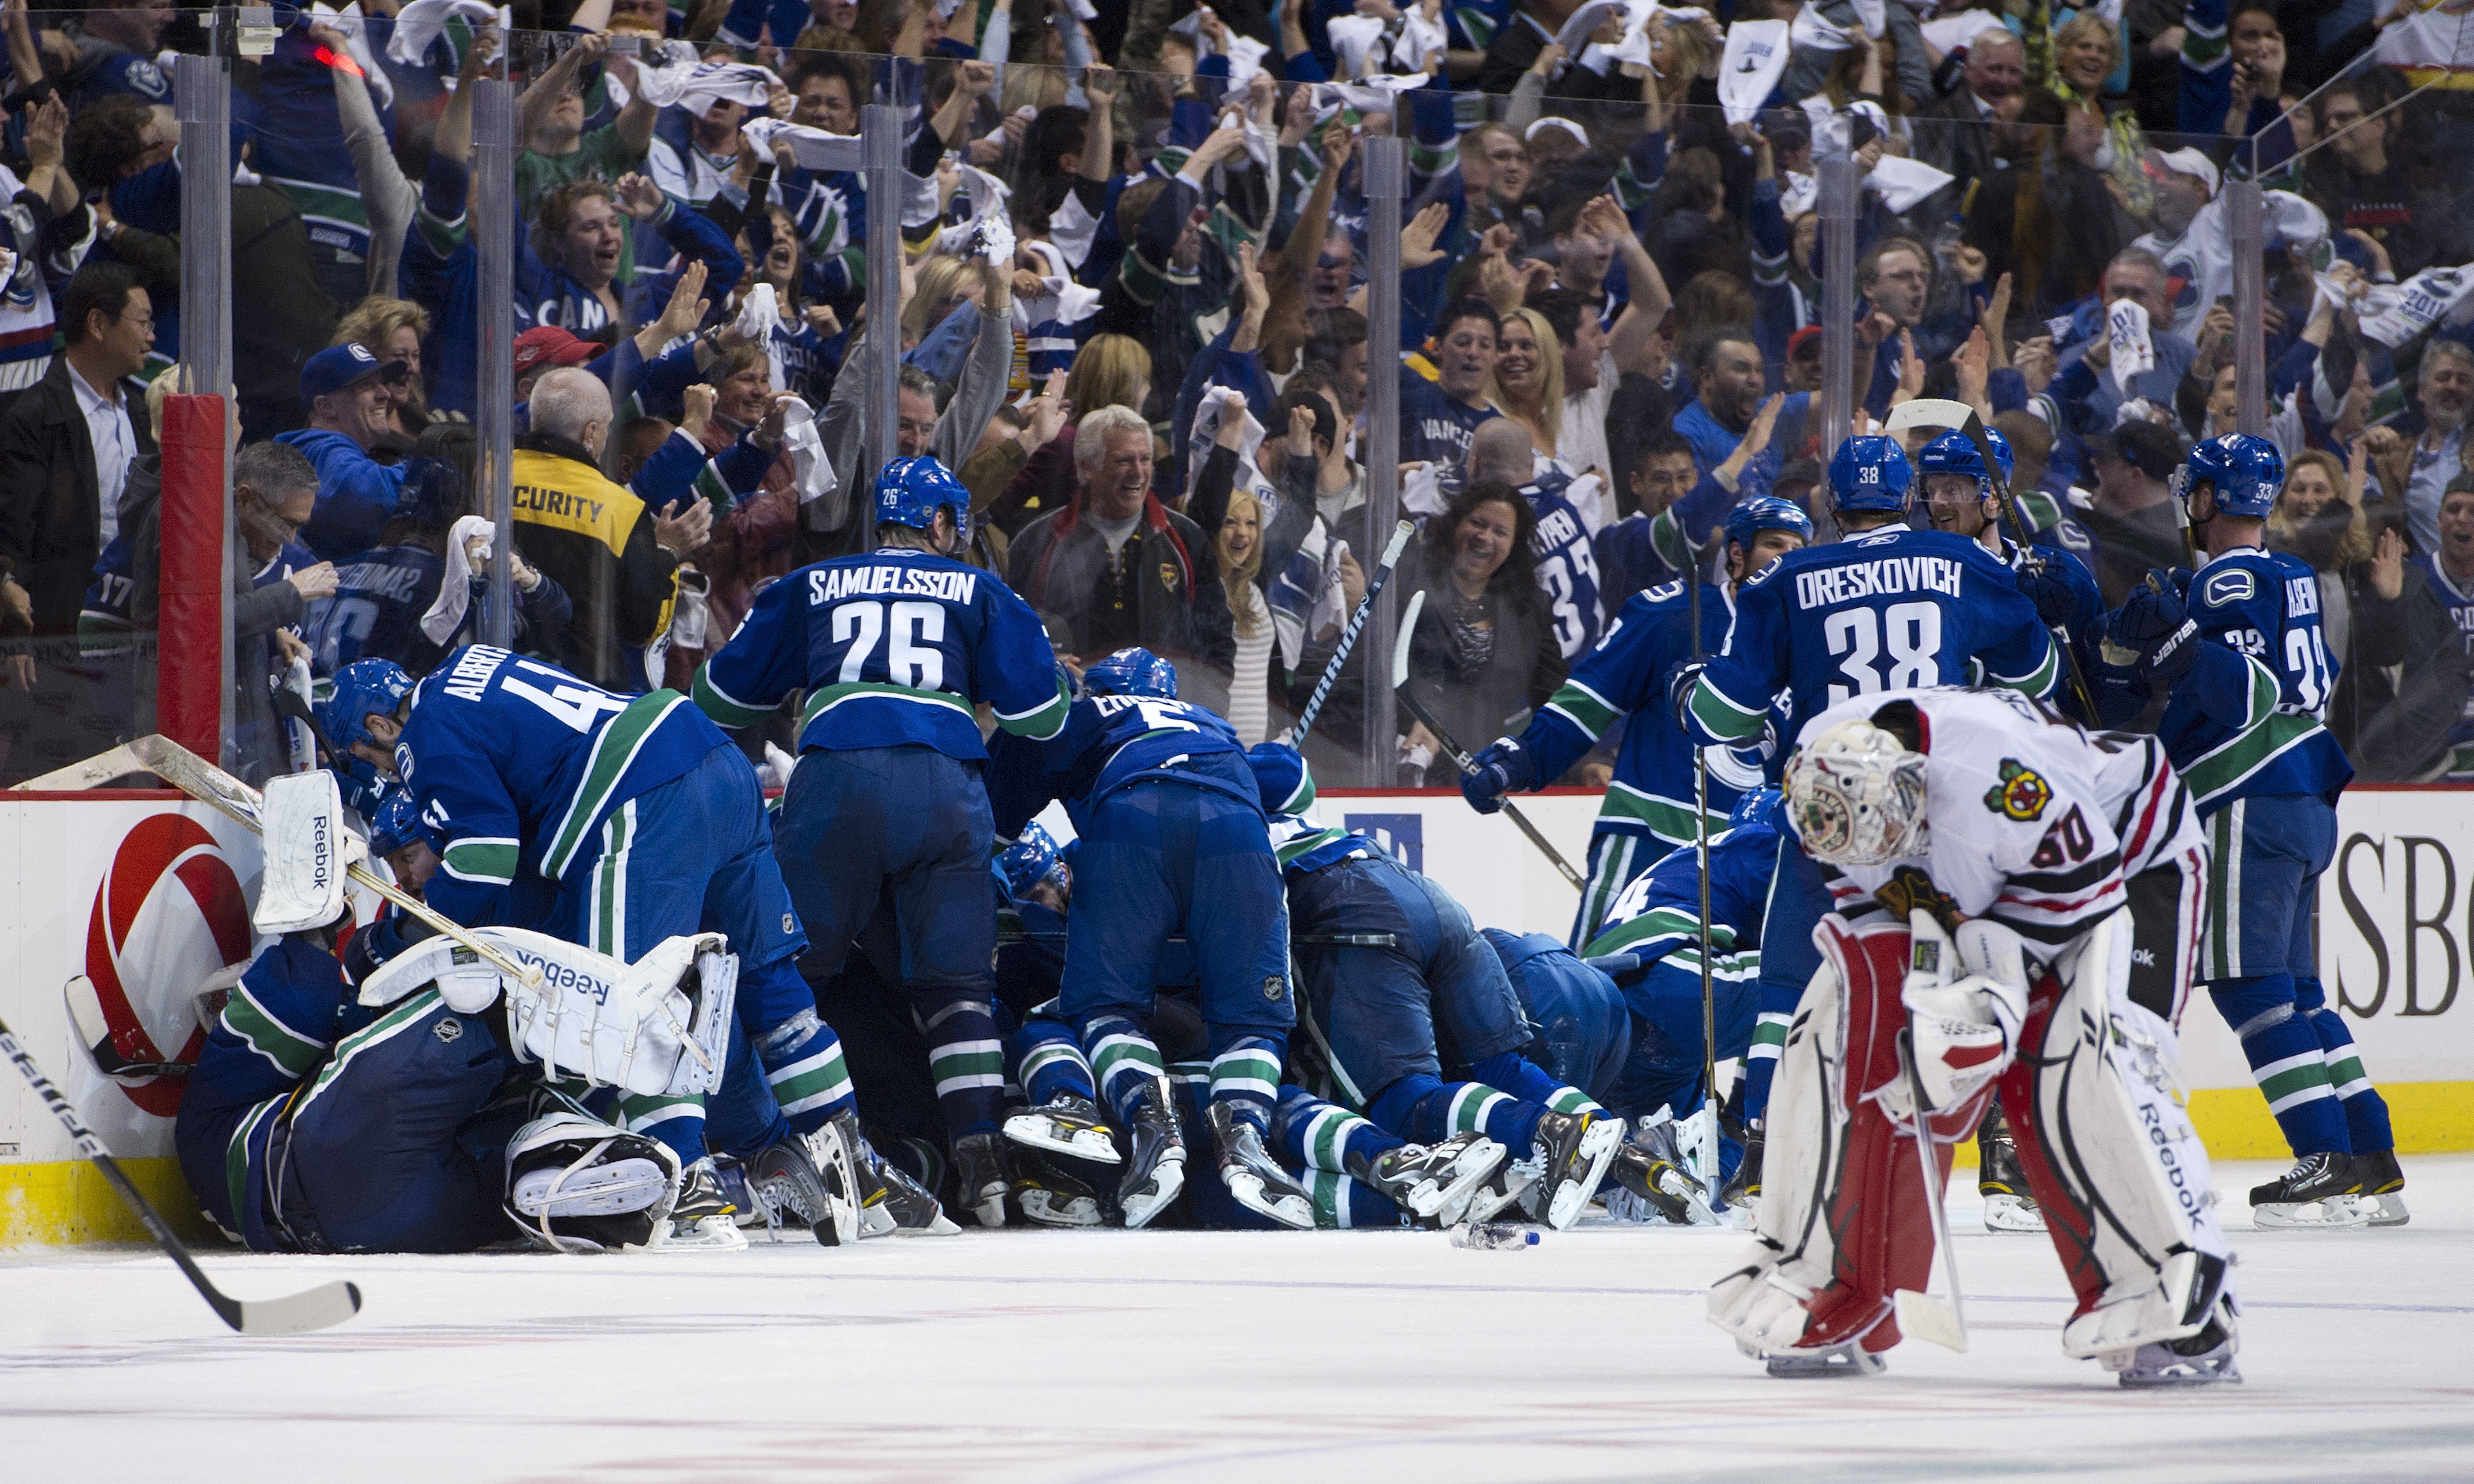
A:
376, 609
516, 764
1890, 611
1567, 564
1651, 791
894, 648
2458, 598
2245, 721
1435, 428
1110, 741
1660, 913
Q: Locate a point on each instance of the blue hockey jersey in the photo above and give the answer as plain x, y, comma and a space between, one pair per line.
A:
1435, 428
1109, 743
1661, 911
1567, 564
2247, 719
1888, 611
516, 763
895, 649
2458, 600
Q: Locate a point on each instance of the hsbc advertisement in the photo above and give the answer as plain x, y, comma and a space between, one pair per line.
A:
2396, 930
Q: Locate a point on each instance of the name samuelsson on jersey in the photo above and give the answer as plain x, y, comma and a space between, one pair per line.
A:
829, 584
1828, 586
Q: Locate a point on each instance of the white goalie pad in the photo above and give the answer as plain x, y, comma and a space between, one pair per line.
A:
2110, 1123
1762, 1301
307, 851
659, 1025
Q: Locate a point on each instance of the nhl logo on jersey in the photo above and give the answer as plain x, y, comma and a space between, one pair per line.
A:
1275, 986
2022, 793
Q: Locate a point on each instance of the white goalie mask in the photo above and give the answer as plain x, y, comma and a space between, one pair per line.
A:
1856, 795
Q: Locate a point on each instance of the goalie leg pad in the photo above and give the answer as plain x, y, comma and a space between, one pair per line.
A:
2113, 1161
577, 1185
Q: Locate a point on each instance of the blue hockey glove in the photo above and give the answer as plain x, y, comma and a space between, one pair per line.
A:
1680, 682
2043, 587
2154, 622
1504, 768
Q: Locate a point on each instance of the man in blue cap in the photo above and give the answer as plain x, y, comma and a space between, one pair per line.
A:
346, 390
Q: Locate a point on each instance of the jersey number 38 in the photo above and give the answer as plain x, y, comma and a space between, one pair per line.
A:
1909, 658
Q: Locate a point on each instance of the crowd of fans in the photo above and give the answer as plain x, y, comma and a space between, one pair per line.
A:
1133, 318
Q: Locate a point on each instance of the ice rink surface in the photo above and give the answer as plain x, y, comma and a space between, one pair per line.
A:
1114, 1356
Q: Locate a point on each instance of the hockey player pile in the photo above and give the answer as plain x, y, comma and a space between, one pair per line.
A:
1942, 898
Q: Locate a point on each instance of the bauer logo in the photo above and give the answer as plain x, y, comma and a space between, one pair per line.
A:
168, 914
1403, 836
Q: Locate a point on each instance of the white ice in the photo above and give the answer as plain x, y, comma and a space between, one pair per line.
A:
1045, 1356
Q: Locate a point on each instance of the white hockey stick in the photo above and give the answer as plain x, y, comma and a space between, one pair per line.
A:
1400, 535
315, 1308
1920, 1315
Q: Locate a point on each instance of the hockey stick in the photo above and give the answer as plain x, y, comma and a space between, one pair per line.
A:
1709, 1151
94, 1034
315, 1308
1339, 939
1941, 412
207, 783
1401, 688
1348, 635
1922, 1315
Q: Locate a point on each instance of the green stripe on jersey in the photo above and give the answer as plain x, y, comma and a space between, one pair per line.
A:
481, 860
293, 1053
613, 752
1584, 708
721, 705
821, 702
1046, 721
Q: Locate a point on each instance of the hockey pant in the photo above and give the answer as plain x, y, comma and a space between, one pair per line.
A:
1308, 1139
1583, 1032
904, 832
1663, 1069
1797, 902
696, 855
1615, 858
2264, 975
2111, 1159
1159, 859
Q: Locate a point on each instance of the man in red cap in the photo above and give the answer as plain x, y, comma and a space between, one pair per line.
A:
547, 348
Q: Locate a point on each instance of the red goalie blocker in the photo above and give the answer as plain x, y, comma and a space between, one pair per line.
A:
1879, 1225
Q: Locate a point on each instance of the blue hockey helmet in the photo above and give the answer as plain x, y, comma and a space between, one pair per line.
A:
360, 688
1767, 513
1756, 807
1870, 473
395, 824
2243, 472
910, 490
1031, 858
1955, 452
1133, 671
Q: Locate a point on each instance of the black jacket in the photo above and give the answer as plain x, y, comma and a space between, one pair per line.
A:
51, 511
1182, 613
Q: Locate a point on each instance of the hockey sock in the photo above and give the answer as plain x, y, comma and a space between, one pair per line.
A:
2367, 1112
1122, 1058
1318, 1136
1427, 1111
803, 1062
1769, 1038
967, 1062
1525, 1079
1051, 1066
917, 1159
1246, 1072
677, 1122
2286, 1059
1341, 1204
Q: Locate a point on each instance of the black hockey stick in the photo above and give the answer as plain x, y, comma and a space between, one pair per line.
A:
315, 1308
1348, 635
1708, 1151
1401, 688
1922, 1315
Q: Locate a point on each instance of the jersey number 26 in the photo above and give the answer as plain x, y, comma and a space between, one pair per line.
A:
910, 659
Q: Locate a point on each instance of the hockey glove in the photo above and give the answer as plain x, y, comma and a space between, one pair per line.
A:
2041, 586
1503, 768
2153, 622
1680, 683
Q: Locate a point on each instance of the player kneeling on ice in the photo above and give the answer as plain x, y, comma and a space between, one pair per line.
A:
452, 1063
1981, 938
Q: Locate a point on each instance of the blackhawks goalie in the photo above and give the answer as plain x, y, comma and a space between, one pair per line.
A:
1980, 854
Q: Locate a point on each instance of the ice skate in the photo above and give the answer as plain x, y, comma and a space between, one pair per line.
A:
1048, 1194
1744, 1188
1822, 1362
2003, 1181
979, 1178
2382, 1181
890, 1202
1423, 1180
1509, 1189
2315, 1195
1573, 1150
809, 1175
1254, 1178
1656, 1187
702, 1220
2204, 1359
1066, 1125
1156, 1173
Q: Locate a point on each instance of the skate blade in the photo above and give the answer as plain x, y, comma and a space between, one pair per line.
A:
1835, 1361
939, 1225
1296, 1212
1039, 1133
1168, 1178
2339, 1214
2009, 1213
1572, 1197
1048, 1209
1485, 1203
1470, 1170
2223, 1373
1923, 1317
604, 1190
702, 1234
2391, 1210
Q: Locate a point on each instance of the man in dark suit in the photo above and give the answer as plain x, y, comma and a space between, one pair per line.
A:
1954, 132
66, 447
1518, 40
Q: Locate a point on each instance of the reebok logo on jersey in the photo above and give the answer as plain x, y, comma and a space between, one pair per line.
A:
1829, 586
2022, 793
2234, 586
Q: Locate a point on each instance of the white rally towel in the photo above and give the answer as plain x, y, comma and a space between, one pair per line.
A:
1420, 38
662, 69
733, 82
1577, 29
1814, 30
2125, 329
1947, 34
1901, 181
815, 149
418, 24
1220, 404
1755, 59
1355, 40
812, 472
445, 613
2393, 314
356, 41
1245, 54
1874, 17
759, 315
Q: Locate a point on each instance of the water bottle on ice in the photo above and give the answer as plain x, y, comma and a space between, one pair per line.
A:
1494, 1236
